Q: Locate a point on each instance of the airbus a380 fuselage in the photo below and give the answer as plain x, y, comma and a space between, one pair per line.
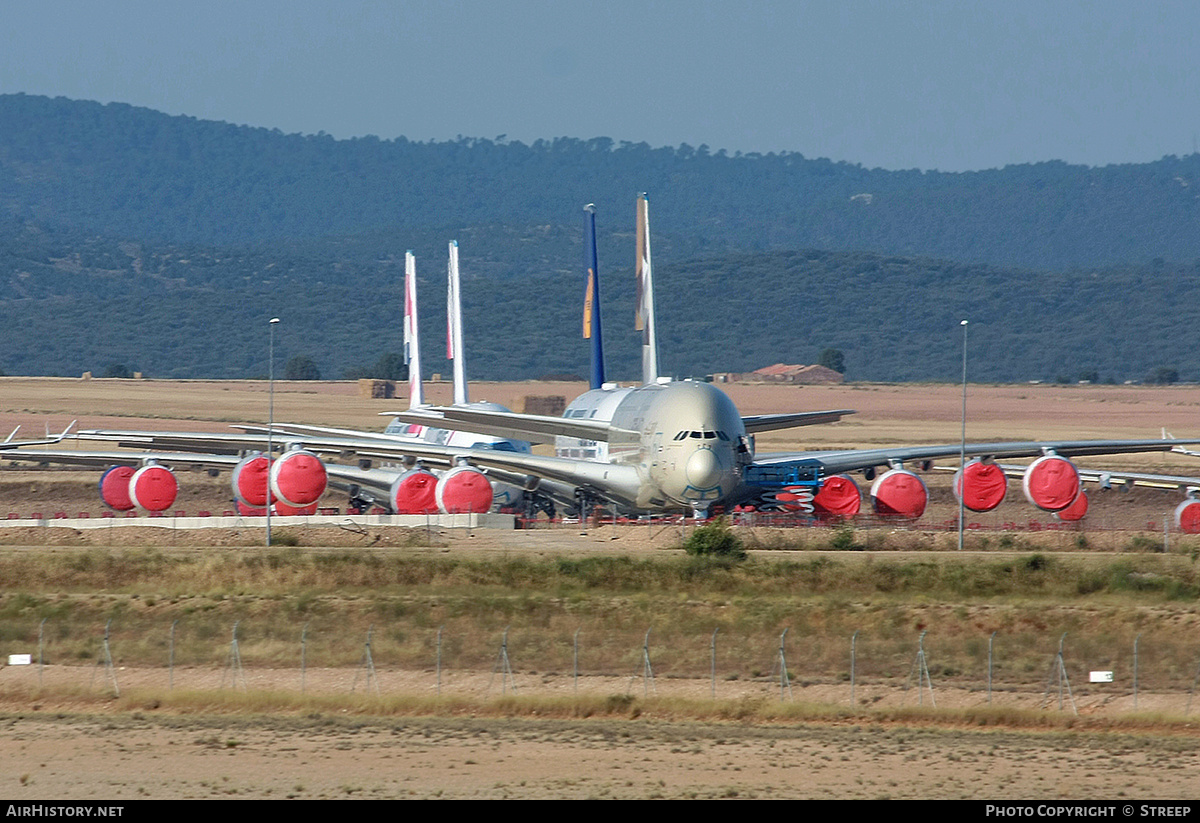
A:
685, 439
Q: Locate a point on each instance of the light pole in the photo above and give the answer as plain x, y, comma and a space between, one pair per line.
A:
270, 415
962, 456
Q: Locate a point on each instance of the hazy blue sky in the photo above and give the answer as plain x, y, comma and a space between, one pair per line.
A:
946, 85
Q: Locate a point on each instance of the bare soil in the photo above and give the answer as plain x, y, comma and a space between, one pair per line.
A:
133, 756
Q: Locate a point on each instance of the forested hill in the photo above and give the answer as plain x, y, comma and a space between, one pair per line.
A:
71, 302
132, 173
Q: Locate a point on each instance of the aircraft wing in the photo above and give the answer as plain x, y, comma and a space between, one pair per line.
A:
70, 457
535, 428
226, 443
617, 483
611, 481
834, 462
771, 422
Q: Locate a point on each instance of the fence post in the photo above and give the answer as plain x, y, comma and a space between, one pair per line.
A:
713, 691
853, 659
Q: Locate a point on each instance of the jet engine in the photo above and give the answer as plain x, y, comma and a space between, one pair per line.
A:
899, 493
298, 478
464, 489
114, 488
1051, 483
415, 492
153, 488
838, 497
1187, 516
250, 481
1076, 511
984, 487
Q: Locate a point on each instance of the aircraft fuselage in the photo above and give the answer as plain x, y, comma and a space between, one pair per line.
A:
682, 437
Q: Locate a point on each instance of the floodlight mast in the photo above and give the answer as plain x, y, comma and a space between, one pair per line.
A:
270, 415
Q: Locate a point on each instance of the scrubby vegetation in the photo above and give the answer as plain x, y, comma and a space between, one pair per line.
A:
1102, 604
715, 539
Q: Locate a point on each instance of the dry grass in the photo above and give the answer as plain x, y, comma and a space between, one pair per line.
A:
1102, 603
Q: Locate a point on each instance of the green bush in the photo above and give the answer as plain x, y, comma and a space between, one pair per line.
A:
715, 539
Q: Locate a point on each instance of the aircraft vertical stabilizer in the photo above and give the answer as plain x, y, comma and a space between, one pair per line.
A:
454, 334
645, 293
591, 298
412, 340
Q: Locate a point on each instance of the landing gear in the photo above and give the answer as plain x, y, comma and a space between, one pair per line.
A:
535, 503
358, 500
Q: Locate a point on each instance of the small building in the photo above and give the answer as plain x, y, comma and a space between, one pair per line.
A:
784, 373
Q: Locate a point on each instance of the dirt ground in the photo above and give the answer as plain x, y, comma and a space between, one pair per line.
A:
134, 756
56, 749
65, 751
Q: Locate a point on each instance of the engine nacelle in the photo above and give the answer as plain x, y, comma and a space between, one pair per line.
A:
1076, 511
1051, 483
414, 492
114, 488
298, 478
464, 490
899, 493
984, 488
250, 481
153, 488
839, 497
1187, 516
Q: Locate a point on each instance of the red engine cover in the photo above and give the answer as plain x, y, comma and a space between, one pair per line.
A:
839, 496
415, 492
298, 478
250, 480
899, 493
986, 486
1187, 516
464, 490
1076, 511
153, 488
1051, 483
114, 488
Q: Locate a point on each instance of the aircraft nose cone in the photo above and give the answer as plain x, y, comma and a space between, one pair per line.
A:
703, 469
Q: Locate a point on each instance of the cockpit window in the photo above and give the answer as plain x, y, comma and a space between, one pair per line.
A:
697, 435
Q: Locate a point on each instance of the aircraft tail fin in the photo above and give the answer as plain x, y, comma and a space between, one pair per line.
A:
645, 293
591, 298
454, 334
412, 340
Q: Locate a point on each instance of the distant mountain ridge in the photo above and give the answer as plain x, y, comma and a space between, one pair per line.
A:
164, 243
127, 172
71, 302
